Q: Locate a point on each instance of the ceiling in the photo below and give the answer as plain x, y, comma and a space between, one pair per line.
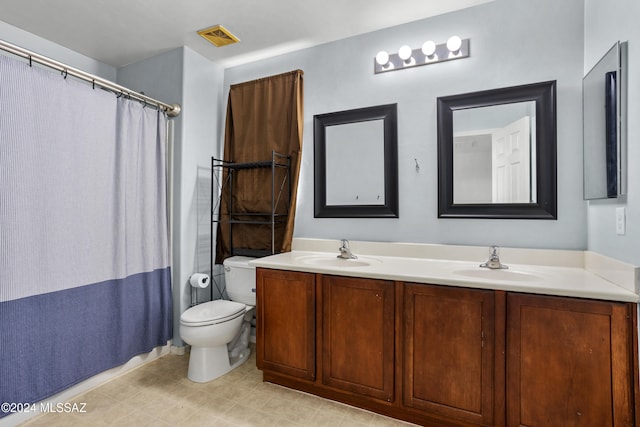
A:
120, 32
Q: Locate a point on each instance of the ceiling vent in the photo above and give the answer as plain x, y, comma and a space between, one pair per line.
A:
218, 35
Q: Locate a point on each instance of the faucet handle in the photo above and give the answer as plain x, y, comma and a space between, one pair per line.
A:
494, 260
345, 252
495, 250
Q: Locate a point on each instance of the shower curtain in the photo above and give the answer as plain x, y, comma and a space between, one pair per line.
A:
84, 253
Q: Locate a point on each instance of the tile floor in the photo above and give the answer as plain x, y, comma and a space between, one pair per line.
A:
159, 394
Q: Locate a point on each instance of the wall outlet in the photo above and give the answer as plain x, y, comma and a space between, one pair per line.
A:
620, 221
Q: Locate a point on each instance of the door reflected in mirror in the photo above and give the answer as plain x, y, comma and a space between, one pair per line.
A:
497, 153
492, 154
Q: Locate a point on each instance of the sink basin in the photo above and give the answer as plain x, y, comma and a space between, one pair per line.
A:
334, 261
489, 274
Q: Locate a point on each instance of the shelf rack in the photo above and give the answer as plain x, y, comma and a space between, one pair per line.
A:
224, 174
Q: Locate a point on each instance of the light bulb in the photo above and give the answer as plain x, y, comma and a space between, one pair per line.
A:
405, 52
429, 48
382, 57
454, 43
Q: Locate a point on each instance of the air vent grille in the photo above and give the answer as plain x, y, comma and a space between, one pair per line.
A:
218, 35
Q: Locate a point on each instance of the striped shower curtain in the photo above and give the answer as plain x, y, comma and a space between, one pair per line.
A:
84, 257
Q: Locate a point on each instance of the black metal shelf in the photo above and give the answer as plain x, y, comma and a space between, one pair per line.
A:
256, 214
245, 221
253, 165
223, 172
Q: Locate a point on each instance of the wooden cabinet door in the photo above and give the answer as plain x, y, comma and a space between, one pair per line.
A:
285, 328
569, 362
448, 349
358, 338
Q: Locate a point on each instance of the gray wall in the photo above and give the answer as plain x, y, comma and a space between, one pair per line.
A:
606, 22
203, 115
512, 42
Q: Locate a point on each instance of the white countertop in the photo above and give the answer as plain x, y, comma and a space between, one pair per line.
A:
573, 280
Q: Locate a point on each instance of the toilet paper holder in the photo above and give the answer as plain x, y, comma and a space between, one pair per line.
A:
198, 281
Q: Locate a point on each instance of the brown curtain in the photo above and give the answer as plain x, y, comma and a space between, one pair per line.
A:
263, 115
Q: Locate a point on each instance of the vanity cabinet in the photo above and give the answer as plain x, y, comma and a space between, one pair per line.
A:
569, 362
286, 316
448, 350
448, 356
358, 335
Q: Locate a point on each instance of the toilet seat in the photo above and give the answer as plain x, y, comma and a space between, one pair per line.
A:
212, 312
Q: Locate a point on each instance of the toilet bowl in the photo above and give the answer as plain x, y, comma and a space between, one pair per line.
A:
211, 326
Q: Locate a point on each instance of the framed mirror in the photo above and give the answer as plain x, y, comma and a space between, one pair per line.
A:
356, 163
497, 153
604, 92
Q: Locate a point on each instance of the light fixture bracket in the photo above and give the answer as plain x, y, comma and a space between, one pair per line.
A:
418, 58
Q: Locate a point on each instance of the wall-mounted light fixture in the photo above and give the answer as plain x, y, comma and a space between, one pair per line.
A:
429, 53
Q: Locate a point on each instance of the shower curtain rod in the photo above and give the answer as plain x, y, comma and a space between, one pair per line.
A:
172, 110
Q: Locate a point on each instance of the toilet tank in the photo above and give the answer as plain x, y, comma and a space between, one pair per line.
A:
240, 279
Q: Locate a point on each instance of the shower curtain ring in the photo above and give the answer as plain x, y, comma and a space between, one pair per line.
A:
64, 73
30, 61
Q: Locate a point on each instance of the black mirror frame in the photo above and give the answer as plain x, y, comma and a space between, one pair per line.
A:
544, 95
387, 113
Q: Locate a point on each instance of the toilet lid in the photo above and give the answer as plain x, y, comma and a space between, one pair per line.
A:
212, 312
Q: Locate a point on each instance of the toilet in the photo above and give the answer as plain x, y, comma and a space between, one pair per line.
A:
218, 331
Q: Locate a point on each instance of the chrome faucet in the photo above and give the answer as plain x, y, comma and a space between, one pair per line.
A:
494, 260
345, 252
